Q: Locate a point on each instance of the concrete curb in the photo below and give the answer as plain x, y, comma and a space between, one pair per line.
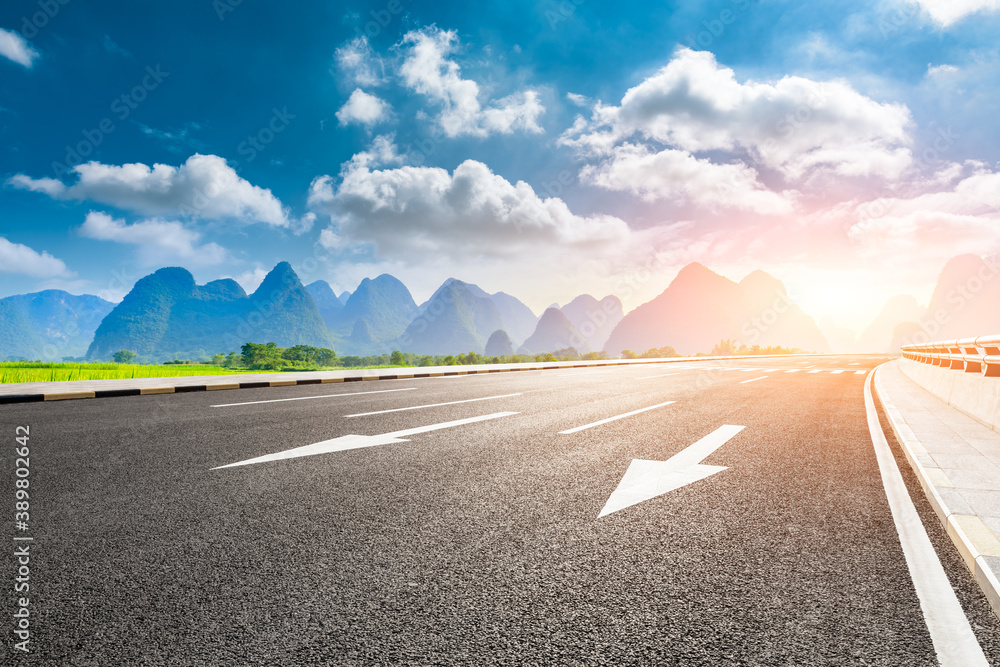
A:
973, 538
418, 372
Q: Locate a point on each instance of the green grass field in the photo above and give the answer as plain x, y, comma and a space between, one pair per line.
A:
28, 371
36, 371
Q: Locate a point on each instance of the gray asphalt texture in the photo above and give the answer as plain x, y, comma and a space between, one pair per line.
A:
477, 544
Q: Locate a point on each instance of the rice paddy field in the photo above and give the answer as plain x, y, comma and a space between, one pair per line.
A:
28, 371
40, 371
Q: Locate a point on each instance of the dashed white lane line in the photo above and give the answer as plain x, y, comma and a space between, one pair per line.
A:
432, 405
611, 419
346, 442
308, 398
836, 372
754, 380
794, 370
816, 371
859, 372
650, 377
954, 641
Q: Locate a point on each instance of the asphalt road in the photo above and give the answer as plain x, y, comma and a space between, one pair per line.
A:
476, 543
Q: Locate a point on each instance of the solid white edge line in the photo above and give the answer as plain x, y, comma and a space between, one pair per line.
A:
306, 398
753, 380
611, 419
650, 377
954, 642
433, 405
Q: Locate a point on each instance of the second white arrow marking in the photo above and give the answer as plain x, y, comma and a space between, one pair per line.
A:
648, 479
345, 442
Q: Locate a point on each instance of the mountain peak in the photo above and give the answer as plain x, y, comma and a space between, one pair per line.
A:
281, 278
761, 282
554, 332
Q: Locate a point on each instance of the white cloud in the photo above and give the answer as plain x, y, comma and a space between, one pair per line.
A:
16, 48
940, 71
18, 258
933, 226
428, 70
948, 12
158, 240
360, 63
679, 176
203, 187
364, 109
795, 125
578, 100
251, 279
413, 211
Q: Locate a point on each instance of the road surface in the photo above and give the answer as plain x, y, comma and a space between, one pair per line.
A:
695, 513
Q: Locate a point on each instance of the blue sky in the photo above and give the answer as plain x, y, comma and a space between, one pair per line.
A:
541, 148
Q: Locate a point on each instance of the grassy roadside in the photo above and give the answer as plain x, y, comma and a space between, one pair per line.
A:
26, 371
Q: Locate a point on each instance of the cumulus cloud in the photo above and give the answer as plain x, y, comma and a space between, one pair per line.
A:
936, 225
679, 176
408, 211
16, 48
795, 125
359, 62
364, 109
948, 12
19, 258
203, 187
428, 70
157, 240
251, 279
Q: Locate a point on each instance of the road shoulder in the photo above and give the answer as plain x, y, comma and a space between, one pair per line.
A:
957, 462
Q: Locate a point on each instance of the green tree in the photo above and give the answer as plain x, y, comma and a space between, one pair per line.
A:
724, 348
397, 358
124, 356
256, 355
218, 359
326, 357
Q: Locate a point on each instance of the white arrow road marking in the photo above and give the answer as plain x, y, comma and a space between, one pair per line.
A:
433, 405
611, 419
648, 479
346, 442
309, 398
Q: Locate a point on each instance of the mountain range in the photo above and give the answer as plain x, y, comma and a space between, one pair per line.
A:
49, 325
700, 308
167, 315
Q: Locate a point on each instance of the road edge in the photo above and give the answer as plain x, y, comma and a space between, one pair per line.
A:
285, 382
964, 531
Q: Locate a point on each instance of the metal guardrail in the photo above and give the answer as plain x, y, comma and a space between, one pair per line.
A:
971, 355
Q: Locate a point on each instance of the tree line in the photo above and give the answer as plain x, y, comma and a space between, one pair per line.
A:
268, 356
